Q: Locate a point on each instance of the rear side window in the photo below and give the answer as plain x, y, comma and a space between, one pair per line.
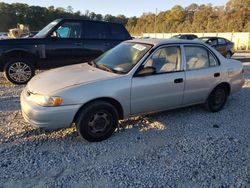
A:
221, 41
198, 58
95, 30
117, 31
212, 42
212, 61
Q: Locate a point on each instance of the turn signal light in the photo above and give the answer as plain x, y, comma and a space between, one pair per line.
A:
57, 101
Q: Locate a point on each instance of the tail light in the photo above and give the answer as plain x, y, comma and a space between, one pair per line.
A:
242, 71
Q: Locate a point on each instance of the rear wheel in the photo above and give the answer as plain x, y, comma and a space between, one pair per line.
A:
97, 121
217, 99
19, 71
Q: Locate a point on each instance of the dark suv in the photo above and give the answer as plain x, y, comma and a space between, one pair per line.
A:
62, 42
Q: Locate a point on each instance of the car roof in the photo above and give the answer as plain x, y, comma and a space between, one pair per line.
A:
211, 38
158, 42
86, 20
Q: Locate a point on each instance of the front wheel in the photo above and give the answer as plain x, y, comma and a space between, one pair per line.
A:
217, 99
97, 121
19, 71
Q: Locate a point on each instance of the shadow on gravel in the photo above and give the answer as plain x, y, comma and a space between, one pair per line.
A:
160, 122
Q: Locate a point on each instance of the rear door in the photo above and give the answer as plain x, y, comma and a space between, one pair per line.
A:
95, 39
162, 90
202, 74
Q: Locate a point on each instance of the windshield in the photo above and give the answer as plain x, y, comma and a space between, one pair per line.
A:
122, 58
46, 29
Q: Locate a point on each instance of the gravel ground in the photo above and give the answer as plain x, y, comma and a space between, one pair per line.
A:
181, 148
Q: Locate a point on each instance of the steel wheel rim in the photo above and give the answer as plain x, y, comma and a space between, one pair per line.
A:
99, 122
219, 98
20, 72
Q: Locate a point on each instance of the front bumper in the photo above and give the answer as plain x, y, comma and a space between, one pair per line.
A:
47, 117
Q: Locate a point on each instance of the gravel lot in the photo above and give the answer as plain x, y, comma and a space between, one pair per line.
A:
181, 148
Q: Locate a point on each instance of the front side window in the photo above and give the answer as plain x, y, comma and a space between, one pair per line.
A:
69, 30
198, 58
167, 59
122, 58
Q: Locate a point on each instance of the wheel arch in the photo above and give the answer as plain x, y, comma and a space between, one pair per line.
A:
19, 54
225, 85
110, 100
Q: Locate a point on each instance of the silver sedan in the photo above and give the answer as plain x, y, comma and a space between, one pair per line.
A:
135, 77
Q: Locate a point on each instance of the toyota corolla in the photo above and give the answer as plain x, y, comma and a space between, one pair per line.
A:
135, 77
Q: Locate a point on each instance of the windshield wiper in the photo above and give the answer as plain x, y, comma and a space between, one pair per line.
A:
105, 67
92, 63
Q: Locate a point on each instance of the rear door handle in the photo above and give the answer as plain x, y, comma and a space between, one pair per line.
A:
217, 74
78, 43
106, 44
178, 80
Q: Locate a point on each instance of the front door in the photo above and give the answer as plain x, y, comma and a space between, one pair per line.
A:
162, 90
64, 46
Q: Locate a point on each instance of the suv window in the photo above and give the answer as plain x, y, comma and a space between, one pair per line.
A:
212, 42
167, 59
95, 30
221, 41
117, 31
69, 30
198, 57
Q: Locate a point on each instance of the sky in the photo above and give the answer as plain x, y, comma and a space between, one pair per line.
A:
114, 7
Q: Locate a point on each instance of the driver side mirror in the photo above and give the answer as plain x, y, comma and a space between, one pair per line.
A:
146, 71
53, 35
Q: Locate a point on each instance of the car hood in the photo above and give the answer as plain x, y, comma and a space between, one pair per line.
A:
64, 77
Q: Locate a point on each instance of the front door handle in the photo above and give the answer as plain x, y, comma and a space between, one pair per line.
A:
217, 74
178, 80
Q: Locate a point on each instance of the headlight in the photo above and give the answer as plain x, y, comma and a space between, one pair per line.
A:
46, 101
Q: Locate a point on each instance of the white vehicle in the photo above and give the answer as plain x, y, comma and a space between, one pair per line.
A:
4, 36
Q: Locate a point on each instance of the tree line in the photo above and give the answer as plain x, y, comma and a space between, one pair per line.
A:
37, 17
233, 17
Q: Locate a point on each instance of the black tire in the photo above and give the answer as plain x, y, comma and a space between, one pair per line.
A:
19, 71
97, 121
217, 99
228, 55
